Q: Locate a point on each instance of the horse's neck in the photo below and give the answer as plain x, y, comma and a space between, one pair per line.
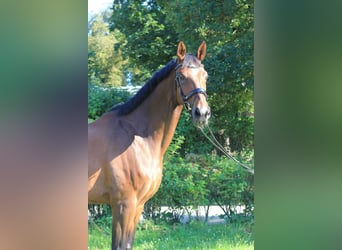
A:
159, 115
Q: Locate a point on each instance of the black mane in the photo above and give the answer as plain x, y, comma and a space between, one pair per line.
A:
150, 85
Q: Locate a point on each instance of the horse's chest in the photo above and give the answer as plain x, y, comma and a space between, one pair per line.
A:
138, 169
147, 169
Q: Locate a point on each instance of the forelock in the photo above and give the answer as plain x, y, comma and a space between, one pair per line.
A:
191, 61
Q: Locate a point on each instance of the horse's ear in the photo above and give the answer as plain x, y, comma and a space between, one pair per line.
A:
201, 51
181, 51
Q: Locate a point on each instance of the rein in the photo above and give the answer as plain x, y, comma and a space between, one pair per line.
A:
214, 141
193, 92
188, 107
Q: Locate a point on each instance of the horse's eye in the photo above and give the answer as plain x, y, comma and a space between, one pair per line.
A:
181, 77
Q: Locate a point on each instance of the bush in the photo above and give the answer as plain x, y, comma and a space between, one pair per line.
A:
230, 186
189, 180
201, 180
101, 99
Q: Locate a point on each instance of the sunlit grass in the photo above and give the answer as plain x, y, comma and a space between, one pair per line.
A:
193, 236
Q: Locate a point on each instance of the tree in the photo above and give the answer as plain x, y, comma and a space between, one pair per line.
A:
227, 27
150, 37
105, 62
152, 30
154, 27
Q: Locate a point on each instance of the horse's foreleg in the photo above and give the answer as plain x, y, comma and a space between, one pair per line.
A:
123, 225
136, 219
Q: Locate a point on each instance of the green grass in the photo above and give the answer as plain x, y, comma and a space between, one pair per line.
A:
193, 236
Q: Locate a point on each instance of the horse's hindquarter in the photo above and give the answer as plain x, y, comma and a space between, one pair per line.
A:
101, 140
97, 192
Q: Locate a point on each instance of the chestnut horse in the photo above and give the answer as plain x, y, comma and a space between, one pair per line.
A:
126, 145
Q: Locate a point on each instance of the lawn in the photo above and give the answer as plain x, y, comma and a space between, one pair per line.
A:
196, 235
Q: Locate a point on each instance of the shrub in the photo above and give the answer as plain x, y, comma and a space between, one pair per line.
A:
230, 186
101, 99
201, 180
189, 180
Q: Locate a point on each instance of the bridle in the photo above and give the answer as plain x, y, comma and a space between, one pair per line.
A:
188, 107
186, 98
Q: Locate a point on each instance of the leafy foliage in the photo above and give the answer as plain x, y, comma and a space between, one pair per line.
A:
101, 99
147, 33
153, 28
104, 61
193, 180
201, 180
150, 36
227, 27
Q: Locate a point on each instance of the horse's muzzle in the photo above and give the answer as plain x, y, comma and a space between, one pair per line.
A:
200, 116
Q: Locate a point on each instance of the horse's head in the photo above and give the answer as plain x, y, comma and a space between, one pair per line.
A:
191, 79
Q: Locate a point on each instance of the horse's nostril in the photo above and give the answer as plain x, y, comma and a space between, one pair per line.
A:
202, 113
197, 112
